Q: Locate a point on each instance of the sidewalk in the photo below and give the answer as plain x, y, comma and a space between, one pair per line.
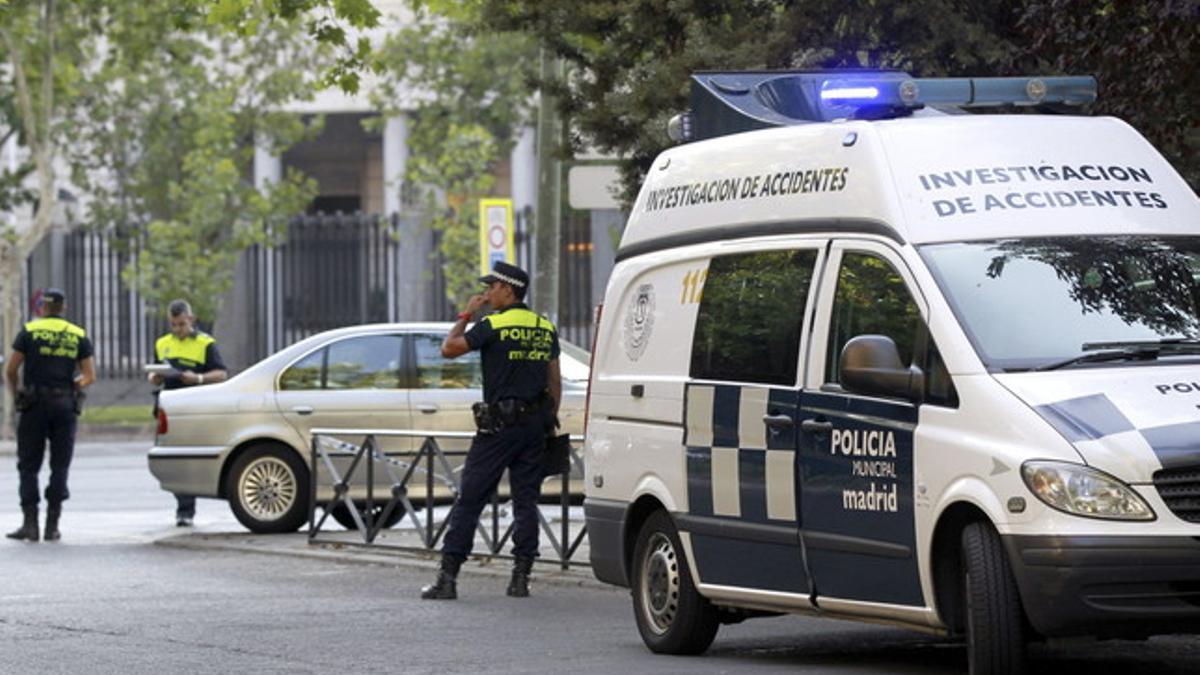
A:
344, 546
96, 434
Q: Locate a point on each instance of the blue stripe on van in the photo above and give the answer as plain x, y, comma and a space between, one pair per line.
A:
782, 402
1086, 418
1177, 445
752, 474
699, 480
734, 562
904, 413
725, 416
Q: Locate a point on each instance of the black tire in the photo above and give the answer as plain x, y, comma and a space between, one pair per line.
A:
671, 615
995, 626
267, 488
342, 515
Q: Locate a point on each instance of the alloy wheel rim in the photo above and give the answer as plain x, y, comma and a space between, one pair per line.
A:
267, 488
660, 584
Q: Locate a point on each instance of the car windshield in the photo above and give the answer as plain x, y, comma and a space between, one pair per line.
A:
1051, 302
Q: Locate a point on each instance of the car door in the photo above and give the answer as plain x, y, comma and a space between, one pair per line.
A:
442, 390
349, 383
741, 402
856, 451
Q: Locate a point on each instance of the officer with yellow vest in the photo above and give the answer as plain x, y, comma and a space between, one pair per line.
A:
194, 356
47, 390
522, 388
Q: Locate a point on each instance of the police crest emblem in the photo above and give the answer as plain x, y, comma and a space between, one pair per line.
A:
639, 322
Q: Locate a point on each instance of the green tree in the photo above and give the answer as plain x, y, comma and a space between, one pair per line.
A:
630, 59
337, 24
475, 95
166, 146
45, 46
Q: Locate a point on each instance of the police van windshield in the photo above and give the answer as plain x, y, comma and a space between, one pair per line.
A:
1031, 304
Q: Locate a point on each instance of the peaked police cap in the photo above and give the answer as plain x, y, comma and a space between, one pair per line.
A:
509, 274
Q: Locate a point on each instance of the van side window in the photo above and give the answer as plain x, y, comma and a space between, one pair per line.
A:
750, 316
939, 387
871, 299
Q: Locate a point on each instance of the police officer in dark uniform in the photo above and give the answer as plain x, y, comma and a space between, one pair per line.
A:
522, 388
194, 356
48, 394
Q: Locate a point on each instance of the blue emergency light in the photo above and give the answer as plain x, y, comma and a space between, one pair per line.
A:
724, 103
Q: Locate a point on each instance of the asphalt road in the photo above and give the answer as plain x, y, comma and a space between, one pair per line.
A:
107, 599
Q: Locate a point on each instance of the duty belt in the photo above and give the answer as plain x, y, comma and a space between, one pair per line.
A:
505, 413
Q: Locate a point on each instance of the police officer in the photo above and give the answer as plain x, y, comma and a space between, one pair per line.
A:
522, 388
48, 396
194, 355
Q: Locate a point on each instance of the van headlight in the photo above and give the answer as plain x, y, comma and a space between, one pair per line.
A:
1083, 491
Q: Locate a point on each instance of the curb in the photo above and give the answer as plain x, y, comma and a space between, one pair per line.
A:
483, 566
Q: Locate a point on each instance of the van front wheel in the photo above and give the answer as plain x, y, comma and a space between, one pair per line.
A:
994, 622
671, 615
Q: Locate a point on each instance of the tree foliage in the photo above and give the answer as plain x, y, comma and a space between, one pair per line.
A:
630, 59
336, 24
166, 146
475, 94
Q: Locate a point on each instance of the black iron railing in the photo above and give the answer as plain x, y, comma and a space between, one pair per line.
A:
430, 466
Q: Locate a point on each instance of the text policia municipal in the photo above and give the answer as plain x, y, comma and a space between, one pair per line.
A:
800, 181
1040, 187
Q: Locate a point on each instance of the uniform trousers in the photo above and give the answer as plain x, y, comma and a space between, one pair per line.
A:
518, 449
51, 418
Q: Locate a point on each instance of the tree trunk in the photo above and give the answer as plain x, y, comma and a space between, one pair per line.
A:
12, 272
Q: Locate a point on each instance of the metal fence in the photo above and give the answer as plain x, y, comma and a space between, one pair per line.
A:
432, 465
334, 270
116, 317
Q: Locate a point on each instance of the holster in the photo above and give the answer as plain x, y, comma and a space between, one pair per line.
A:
24, 400
484, 421
80, 397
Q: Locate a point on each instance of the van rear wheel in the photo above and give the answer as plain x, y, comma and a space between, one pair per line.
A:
992, 607
671, 615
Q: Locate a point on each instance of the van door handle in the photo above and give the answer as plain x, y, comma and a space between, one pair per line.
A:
778, 423
427, 408
816, 426
302, 409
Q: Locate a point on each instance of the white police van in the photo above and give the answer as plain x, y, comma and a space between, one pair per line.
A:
867, 357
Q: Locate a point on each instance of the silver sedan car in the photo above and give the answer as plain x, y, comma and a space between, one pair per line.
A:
247, 440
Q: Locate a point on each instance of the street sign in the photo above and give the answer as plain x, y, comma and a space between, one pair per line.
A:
495, 233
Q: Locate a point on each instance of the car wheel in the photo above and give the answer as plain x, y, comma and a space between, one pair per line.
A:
671, 615
994, 621
267, 488
344, 518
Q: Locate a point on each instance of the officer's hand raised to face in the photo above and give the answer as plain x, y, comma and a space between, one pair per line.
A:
476, 303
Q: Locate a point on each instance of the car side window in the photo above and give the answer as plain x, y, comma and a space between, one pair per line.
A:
750, 316
305, 373
366, 362
871, 299
435, 371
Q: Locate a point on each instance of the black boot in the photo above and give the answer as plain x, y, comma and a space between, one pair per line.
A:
518, 586
29, 530
52, 515
445, 587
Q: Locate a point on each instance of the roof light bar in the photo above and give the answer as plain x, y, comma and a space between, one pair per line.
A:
731, 102
968, 92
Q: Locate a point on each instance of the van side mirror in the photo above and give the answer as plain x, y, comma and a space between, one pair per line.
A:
870, 364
